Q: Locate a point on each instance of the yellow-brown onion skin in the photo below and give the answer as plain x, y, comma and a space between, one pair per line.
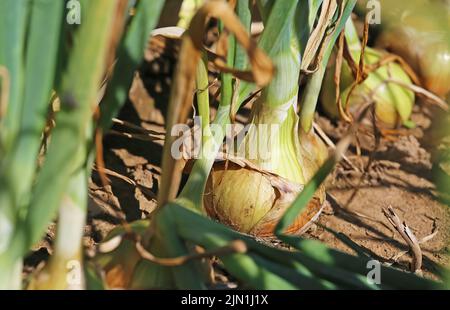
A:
238, 197
246, 200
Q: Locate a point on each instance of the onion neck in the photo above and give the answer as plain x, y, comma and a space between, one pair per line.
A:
272, 140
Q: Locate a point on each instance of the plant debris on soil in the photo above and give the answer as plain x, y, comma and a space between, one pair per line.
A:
399, 175
396, 172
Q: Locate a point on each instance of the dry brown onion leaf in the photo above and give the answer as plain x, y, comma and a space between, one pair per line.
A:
342, 47
182, 89
219, 63
360, 72
262, 68
387, 58
114, 41
318, 35
281, 183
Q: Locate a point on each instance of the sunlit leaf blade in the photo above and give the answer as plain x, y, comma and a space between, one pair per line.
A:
40, 63
66, 151
13, 24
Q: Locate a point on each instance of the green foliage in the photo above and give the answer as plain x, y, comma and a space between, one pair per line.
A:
32, 51
30, 34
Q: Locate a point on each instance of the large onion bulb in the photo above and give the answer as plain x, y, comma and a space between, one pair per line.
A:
252, 201
251, 196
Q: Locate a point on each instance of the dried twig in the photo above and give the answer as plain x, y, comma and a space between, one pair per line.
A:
138, 128
396, 257
429, 237
136, 136
407, 235
330, 143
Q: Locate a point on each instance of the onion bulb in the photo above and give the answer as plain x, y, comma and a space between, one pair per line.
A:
251, 190
251, 195
252, 201
421, 36
393, 102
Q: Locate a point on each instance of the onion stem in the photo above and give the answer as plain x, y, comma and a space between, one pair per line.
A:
195, 186
65, 268
192, 193
311, 92
352, 36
